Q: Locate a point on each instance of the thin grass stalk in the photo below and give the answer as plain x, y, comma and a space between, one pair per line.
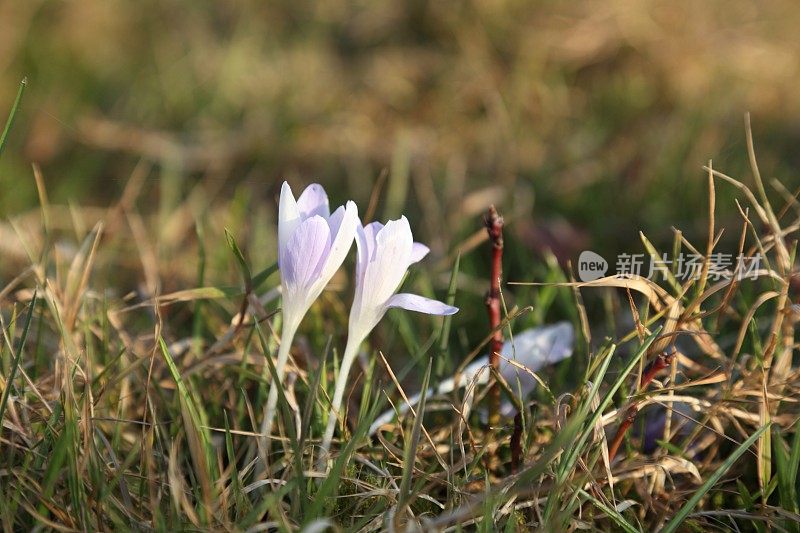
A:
14, 108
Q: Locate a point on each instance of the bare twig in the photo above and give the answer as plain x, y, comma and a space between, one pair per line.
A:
494, 226
662, 361
516, 443
627, 422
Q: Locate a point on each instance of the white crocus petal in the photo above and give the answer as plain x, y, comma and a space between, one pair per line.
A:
385, 253
414, 302
390, 260
314, 201
383, 264
301, 263
335, 221
418, 252
532, 348
288, 217
342, 226
302, 289
365, 242
371, 231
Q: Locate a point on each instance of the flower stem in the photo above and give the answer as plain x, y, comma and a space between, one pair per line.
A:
350, 352
287, 336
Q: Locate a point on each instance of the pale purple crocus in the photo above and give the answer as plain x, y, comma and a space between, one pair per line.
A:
384, 255
312, 244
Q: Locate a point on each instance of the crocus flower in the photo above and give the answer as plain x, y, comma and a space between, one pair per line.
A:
384, 255
531, 350
312, 244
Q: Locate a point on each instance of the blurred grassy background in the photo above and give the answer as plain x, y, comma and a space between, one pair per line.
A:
584, 122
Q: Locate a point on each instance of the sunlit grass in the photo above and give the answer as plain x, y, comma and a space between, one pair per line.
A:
139, 302
136, 406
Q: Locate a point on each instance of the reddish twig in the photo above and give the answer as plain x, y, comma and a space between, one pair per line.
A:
494, 226
627, 422
662, 361
516, 444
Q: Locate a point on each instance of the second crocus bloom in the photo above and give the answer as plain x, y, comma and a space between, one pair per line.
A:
384, 255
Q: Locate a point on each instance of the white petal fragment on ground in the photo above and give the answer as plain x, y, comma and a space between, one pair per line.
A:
533, 349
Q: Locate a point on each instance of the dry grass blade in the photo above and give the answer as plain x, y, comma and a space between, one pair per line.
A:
9, 382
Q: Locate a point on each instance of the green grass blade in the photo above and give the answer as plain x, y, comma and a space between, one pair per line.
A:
262, 276
689, 506
332, 480
587, 421
411, 445
369, 381
14, 108
609, 397
248, 279
206, 458
237, 494
786, 479
443, 362
57, 455
794, 452
444, 336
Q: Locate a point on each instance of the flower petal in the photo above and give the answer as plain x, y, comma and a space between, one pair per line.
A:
335, 221
389, 262
383, 253
371, 231
534, 349
537, 347
302, 260
345, 222
414, 302
288, 217
365, 242
418, 252
314, 201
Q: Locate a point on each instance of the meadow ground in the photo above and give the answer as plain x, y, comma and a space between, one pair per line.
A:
139, 218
